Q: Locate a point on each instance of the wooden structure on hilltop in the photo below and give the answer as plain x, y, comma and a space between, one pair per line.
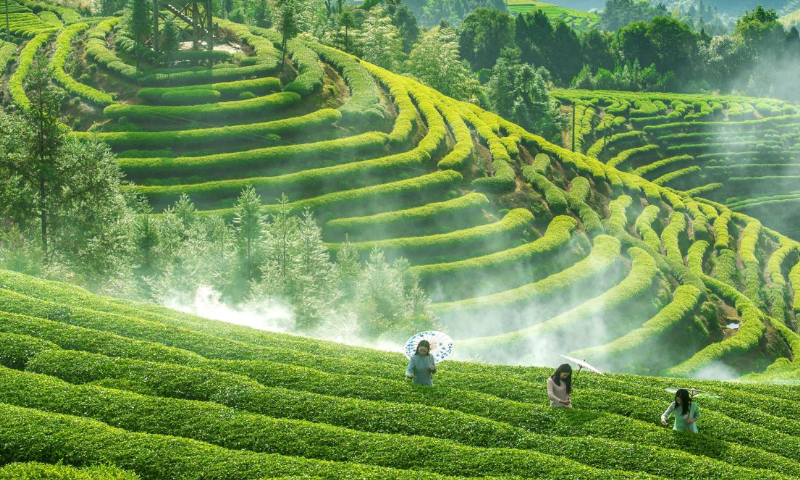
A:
197, 14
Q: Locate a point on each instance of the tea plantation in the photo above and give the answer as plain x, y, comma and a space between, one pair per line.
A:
574, 18
646, 250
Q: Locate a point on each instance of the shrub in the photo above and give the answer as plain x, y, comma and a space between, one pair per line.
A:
503, 180
661, 164
458, 243
407, 113
190, 97
555, 197
36, 435
558, 234
7, 52
696, 255
35, 471
748, 337
631, 155
459, 156
638, 281
63, 48
227, 90
605, 253
220, 73
671, 236
679, 310
17, 81
645, 229
364, 104
96, 49
400, 222
238, 109
225, 427
752, 269
216, 136
667, 178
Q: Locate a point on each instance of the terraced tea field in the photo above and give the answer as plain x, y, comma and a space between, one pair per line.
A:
522, 244
615, 253
161, 394
740, 152
574, 18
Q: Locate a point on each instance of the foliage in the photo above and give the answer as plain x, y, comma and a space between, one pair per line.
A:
435, 61
518, 92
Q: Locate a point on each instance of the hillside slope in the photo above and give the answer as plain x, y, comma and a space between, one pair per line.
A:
527, 249
162, 394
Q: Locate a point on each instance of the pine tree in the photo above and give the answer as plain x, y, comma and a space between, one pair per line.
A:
42, 170
169, 40
287, 25
138, 25
248, 226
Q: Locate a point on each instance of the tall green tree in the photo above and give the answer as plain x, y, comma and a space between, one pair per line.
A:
287, 25
484, 34
248, 223
42, 169
169, 40
138, 25
519, 93
263, 14
566, 59
435, 61
380, 41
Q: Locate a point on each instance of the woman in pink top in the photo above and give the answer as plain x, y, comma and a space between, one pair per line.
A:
559, 387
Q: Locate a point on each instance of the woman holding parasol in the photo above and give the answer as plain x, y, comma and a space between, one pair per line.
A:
423, 351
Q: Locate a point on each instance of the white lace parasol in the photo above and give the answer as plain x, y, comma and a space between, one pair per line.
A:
441, 344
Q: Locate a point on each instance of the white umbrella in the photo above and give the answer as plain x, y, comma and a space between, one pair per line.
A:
441, 344
693, 392
582, 364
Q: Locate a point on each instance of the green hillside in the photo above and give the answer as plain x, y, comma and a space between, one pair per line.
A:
167, 395
665, 244
740, 152
574, 18
522, 244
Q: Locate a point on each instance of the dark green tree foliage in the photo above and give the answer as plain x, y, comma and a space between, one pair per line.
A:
534, 35
169, 40
405, 21
138, 24
633, 43
631, 77
287, 25
675, 46
596, 49
40, 170
484, 34
619, 13
519, 93
565, 57
432, 12
65, 192
263, 14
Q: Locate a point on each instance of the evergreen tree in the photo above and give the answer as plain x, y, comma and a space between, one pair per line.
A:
41, 169
435, 61
287, 25
138, 25
248, 225
263, 14
519, 93
169, 40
